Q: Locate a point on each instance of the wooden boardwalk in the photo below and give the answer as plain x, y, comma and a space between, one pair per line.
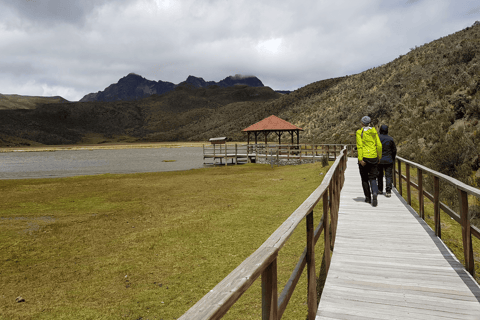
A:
388, 264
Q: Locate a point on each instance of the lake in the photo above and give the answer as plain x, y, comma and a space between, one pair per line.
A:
26, 165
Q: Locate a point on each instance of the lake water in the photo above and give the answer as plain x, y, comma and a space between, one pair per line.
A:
26, 165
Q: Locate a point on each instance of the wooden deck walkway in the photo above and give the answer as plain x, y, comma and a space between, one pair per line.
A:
388, 264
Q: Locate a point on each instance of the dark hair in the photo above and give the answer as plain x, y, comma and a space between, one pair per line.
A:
384, 129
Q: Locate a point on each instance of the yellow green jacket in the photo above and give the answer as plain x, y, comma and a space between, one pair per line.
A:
368, 146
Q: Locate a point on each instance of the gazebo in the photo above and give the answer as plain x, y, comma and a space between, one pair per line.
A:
273, 124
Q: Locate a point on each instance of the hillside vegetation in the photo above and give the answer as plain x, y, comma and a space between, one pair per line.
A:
14, 101
155, 118
430, 98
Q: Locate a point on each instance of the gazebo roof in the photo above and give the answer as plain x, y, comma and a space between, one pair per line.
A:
272, 123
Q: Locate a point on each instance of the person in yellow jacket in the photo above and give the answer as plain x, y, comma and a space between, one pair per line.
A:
369, 149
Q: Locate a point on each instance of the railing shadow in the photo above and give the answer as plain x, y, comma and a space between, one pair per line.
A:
446, 253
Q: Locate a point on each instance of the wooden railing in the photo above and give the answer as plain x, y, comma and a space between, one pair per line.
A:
296, 150
225, 151
273, 151
263, 262
463, 192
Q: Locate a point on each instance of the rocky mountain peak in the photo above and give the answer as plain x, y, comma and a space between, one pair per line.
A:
134, 87
239, 79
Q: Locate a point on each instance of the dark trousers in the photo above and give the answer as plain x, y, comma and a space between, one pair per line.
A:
388, 169
369, 174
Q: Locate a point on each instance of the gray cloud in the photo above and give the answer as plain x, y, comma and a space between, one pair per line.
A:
50, 12
473, 11
71, 48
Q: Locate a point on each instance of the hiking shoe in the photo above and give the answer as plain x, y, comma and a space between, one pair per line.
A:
374, 202
368, 200
388, 194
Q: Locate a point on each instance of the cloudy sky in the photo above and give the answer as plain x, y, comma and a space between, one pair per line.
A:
74, 47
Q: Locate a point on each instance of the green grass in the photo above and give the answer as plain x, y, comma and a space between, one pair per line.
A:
145, 245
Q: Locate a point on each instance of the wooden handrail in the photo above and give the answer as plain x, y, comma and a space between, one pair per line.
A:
270, 151
263, 262
463, 191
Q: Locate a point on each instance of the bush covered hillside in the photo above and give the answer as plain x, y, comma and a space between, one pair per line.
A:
429, 97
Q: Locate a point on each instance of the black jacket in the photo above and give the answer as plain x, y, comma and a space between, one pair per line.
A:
389, 149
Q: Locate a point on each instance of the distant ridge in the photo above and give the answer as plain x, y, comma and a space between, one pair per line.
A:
135, 87
15, 101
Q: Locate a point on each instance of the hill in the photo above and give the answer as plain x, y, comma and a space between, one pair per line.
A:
429, 97
14, 101
156, 118
135, 87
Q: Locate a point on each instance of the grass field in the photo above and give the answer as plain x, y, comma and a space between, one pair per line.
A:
145, 246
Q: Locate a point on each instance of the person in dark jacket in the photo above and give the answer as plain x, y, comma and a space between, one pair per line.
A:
389, 152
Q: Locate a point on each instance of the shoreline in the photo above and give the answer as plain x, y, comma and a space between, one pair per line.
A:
108, 146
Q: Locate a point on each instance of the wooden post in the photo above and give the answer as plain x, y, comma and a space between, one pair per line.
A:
409, 194
336, 202
333, 204
420, 194
236, 154
328, 152
226, 158
335, 152
311, 274
400, 177
466, 232
436, 206
326, 231
269, 292
394, 175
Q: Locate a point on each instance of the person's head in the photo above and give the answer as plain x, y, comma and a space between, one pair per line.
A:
366, 121
384, 129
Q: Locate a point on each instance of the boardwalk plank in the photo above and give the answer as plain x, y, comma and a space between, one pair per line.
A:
388, 264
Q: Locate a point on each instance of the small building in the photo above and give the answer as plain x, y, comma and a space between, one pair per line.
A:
273, 124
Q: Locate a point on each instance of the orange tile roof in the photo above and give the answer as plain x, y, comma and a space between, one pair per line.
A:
272, 123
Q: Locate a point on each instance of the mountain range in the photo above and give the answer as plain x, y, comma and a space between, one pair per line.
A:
135, 87
429, 97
